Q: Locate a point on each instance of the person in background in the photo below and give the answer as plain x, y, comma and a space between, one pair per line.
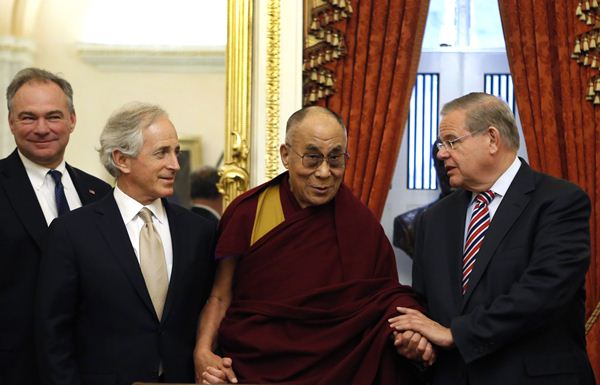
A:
404, 224
501, 262
207, 201
36, 186
306, 279
122, 281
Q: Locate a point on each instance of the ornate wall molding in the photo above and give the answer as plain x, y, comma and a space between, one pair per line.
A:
150, 58
273, 88
235, 172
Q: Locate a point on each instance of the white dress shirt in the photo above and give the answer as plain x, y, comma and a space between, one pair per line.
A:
43, 185
130, 208
500, 187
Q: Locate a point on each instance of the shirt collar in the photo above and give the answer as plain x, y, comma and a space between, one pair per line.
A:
500, 187
503, 183
130, 208
37, 173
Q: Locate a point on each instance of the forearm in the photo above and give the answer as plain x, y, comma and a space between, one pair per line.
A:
208, 325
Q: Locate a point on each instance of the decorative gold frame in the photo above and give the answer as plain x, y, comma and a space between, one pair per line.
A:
273, 88
235, 172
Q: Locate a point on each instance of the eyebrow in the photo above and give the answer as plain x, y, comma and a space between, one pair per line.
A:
31, 113
312, 147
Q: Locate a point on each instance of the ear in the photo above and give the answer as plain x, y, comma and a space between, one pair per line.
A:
494, 138
284, 153
72, 120
11, 122
122, 161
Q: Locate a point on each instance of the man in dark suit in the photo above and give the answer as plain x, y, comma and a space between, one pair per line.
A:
207, 201
123, 280
501, 262
41, 116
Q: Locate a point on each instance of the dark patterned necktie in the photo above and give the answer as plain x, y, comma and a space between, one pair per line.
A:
478, 226
62, 206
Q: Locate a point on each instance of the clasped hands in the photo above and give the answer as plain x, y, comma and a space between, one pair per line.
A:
414, 335
212, 369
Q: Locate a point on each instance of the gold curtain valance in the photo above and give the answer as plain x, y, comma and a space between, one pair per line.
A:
587, 47
323, 45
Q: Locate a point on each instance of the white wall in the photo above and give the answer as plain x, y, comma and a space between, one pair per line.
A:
195, 101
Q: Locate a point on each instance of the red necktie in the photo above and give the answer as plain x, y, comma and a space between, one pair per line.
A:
480, 221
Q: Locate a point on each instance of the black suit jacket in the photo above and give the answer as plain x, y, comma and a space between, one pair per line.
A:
22, 232
206, 214
522, 319
96, 323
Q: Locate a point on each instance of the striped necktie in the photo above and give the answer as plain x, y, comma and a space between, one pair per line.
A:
480, 222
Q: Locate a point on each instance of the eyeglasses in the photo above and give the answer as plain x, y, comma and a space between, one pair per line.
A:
449, 144
314, 160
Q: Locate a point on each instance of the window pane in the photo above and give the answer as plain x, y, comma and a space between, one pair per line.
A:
500, 85
422, 131
486, 26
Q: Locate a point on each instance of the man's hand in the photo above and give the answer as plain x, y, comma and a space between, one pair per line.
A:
414, 320
212, 369
414, 347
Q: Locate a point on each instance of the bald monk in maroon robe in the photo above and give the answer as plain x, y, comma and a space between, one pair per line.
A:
306, 279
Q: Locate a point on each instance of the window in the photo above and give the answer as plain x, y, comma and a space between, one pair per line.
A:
463, 24
500, 85
422, 131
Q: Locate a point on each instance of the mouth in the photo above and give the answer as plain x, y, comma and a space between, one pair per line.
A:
321, 189
169, 179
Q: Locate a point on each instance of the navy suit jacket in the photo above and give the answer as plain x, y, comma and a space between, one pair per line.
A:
22, 233
96, 323
521, 320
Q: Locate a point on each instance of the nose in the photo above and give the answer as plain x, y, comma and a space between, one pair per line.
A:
323, 171
41, 127
443, 153
174, 162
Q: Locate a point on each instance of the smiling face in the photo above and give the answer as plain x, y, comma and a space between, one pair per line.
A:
318, 133
151, 174
41, 122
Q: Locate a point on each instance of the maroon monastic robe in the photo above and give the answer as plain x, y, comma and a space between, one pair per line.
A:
311, 298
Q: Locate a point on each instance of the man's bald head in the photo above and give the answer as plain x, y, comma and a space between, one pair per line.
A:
299, 116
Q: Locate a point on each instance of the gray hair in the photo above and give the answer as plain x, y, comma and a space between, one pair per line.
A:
298, 116
40, 76
123, 132
484, 110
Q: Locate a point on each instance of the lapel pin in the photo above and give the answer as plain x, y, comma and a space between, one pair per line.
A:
92, 192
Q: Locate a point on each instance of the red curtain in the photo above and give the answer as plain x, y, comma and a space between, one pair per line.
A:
374, 82
560, 126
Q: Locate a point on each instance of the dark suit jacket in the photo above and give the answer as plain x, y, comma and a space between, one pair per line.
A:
96, 323
206, 214
522, 319
22, 232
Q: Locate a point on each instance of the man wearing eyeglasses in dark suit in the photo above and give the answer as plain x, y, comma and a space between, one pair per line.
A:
501, 262
306, 278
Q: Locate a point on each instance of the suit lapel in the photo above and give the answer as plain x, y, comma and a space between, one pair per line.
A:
87, 194
512, 205
112, 228
22, 197
178, 240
